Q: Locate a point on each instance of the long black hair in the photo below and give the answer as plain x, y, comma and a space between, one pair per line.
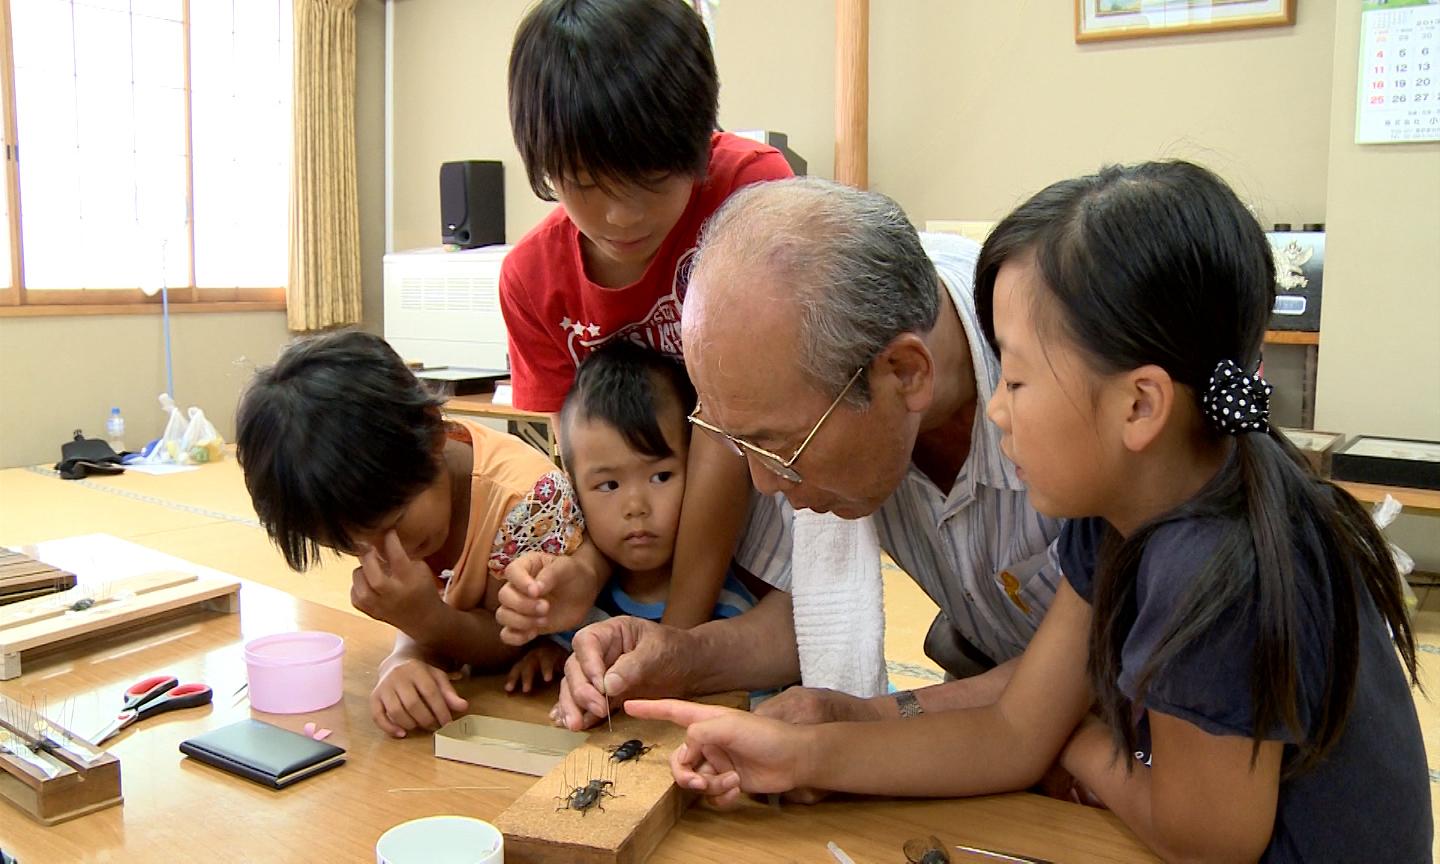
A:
1160, 263
620, 89
332, 438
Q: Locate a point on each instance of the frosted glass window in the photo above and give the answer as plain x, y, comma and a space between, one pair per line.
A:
240, 83
108, 163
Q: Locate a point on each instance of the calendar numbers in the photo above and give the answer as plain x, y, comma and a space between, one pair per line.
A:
1398, 97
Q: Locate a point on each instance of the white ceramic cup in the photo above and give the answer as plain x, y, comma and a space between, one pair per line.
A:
441, 840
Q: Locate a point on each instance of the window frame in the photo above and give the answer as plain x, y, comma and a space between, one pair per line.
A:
18, 301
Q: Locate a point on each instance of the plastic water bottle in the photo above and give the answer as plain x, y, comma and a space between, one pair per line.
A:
115, 430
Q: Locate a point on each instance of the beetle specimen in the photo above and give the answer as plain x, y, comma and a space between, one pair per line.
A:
588, 795
628, 750
583, 798
927, 851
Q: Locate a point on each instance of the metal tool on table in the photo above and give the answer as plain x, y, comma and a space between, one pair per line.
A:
1002, 856
155, 695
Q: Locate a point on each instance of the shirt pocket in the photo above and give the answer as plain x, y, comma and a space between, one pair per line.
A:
1027, 586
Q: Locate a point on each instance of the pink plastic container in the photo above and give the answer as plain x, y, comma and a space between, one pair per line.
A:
292, 673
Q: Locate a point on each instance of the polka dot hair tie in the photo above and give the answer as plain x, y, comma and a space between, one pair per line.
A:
1235, 402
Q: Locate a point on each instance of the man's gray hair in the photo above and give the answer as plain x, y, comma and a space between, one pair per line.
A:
859, 274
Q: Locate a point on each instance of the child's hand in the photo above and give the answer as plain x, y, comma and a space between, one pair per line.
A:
544, 660
544, 593
728, 752
413, 694
396, 590
803, 705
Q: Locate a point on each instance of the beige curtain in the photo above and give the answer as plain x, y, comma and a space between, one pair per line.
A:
324, 288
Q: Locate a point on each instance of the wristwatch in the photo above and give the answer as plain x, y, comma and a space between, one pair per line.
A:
909, 705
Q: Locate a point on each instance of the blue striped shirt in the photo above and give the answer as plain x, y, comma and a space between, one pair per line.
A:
978, 550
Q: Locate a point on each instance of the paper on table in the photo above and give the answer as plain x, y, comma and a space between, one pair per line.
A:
159, 468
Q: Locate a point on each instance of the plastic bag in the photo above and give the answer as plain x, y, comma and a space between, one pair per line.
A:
185, 442
167, 448
202, 442
1383, 514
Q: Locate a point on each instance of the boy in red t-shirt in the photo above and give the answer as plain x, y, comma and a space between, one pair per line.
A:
613, 105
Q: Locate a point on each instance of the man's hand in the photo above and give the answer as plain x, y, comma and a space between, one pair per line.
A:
620, 658
728, 752
393, 588
803, 705
545, 593
543, 660
806, 705
413, 694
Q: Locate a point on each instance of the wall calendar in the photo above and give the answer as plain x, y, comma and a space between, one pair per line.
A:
1398, 96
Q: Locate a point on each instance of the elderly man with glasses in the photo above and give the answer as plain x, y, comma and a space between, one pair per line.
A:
818, 324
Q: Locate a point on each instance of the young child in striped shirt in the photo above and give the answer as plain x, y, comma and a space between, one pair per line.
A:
625, 443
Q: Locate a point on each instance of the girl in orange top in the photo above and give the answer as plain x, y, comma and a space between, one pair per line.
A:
432, 508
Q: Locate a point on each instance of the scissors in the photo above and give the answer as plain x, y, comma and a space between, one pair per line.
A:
155, 696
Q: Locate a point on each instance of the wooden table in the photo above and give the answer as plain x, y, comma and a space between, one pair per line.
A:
176, 809
533, 427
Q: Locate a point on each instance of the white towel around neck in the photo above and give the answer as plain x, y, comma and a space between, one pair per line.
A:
839, 603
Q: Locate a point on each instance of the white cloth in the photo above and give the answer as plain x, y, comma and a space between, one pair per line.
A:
839, 604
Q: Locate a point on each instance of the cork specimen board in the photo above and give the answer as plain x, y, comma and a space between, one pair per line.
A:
644, 806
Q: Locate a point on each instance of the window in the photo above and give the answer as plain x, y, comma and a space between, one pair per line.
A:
148, 144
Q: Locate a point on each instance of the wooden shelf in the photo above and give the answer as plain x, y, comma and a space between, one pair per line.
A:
1410, 498
1291, 337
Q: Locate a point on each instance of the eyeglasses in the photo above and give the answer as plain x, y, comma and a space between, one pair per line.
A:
774, 463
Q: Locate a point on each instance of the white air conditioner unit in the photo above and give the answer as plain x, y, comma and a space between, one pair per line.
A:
442, 306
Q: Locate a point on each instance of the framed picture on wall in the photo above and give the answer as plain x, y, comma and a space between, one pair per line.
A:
1097, 20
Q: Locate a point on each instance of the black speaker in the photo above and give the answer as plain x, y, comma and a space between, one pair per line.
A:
472, 204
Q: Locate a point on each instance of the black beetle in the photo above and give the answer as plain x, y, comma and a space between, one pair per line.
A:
632, 749
583, 798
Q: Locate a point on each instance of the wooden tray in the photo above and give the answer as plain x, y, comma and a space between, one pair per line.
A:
23, 577
86, 779
32, 625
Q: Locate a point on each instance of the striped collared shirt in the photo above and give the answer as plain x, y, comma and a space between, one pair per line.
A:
979, 550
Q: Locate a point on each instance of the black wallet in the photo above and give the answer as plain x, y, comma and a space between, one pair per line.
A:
267, 754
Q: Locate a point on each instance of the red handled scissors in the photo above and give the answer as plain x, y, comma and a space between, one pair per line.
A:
155, 696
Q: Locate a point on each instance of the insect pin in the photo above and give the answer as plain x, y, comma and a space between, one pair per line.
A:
583, 798
587, 797
628, 750
928, 850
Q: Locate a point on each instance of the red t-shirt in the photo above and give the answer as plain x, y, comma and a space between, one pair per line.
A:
555, 315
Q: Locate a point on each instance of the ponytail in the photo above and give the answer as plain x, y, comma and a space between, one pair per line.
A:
1282, 523
1196, 287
